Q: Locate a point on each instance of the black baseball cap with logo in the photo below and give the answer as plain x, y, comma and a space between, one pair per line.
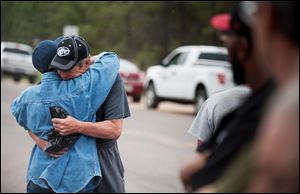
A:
70, 51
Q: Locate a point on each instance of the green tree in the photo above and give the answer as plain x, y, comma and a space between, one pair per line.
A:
143, 31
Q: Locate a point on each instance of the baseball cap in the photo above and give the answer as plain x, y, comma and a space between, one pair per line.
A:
246, 11
285, 13
70, 51
221, 22
44, 53
231, 22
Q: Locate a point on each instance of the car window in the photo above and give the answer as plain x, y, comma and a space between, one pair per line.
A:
179, 58
17, 51
213, 56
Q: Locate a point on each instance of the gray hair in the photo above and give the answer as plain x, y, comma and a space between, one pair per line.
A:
80, 63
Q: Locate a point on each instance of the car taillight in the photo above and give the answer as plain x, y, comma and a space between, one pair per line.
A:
221, 78
132, 76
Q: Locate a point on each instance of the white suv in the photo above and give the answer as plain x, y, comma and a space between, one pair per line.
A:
189, 74
16, 59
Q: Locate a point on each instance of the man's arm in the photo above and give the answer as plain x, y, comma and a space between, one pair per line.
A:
195, 163
101, 77
108, 129
201, 126
110, 114
42, 144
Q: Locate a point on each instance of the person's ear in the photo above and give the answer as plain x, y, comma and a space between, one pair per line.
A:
87, 62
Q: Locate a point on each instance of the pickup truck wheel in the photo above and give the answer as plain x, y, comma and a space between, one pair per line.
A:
151, 98
199, 99
17, 77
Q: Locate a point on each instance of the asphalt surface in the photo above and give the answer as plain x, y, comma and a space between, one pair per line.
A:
153, 145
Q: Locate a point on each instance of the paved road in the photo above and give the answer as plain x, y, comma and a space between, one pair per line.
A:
153, 145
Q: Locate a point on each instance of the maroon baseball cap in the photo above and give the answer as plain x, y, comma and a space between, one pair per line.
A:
231, 22
221, 22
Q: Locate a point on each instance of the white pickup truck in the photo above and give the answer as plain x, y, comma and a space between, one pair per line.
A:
16, 59
189, 74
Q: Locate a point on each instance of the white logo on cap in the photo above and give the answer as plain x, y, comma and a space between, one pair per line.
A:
63, 51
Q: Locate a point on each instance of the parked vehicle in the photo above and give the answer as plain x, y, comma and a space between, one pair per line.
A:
133, 79
189, 74
16, 60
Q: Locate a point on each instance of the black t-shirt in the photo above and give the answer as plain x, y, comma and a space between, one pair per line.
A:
115, 106
235, 130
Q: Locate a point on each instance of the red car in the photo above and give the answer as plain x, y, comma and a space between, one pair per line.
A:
133, 79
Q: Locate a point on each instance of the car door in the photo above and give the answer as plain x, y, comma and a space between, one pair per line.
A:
172, 79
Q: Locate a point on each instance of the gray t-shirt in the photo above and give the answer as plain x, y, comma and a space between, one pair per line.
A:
214, 109
114, 107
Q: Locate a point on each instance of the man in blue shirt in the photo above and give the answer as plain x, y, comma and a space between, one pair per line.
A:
78, 169
106, 130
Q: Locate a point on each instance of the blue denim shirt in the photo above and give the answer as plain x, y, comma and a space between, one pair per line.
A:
79, 168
